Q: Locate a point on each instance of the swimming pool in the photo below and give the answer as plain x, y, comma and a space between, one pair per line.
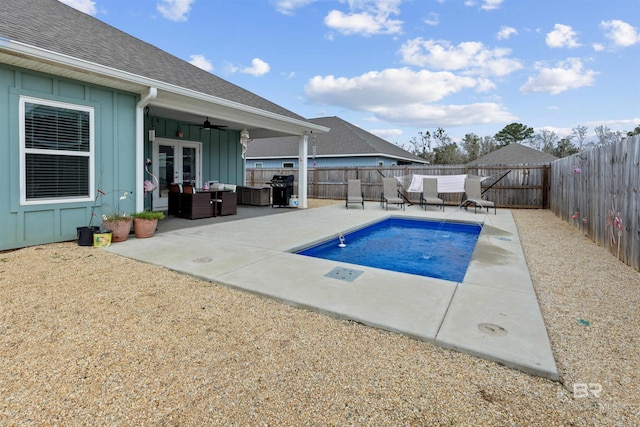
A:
415, 246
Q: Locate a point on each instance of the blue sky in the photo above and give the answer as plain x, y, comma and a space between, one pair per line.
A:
397, 67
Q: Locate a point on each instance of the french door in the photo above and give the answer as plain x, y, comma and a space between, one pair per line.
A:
177, 162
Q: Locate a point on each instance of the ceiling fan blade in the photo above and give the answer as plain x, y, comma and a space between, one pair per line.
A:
208, 126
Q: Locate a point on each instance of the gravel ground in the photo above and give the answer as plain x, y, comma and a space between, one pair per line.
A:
91, 338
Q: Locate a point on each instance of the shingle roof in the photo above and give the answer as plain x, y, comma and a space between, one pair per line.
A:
514, 154
344, 139
51, 25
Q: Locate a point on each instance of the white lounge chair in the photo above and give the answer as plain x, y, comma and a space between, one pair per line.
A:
390, 193
354, 193
429, 194
473, 192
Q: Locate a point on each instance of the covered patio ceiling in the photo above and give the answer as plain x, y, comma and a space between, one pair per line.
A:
171, 101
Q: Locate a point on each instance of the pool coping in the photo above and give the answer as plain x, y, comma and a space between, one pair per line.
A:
493, 313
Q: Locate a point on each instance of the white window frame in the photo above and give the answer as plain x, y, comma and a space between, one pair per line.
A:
258, 165
24, 151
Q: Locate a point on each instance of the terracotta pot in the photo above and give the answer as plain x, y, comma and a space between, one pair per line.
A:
144, 228
120, 229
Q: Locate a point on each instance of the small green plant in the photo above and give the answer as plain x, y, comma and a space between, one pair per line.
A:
116, 216
149, 215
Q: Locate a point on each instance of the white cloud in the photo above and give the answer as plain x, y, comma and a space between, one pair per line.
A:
486, 4
472, 58
86, 6
433, 19
174, 10
598, 47
388, 134
402, 96
201, 62
366, 17
428, 115
485, 85
565, 75
491, 4
618, 124
394, 86
621, 33
506, 32
562, 36
288, 7
258, 68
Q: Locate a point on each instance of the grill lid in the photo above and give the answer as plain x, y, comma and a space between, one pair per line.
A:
282, 179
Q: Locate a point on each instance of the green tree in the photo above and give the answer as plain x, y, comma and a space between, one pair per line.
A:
421, 146
441, 137
545, 140
448, 154
580, 134
565, 148
487, 145
636, 131
471, 146
605, 135
514, 132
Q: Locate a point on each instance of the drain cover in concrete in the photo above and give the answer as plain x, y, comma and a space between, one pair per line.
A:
202, 260
492, 329
346, 274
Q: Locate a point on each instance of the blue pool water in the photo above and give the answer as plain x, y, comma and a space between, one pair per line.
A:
425, 248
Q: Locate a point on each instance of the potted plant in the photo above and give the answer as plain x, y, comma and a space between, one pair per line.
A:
145, 223
119, 224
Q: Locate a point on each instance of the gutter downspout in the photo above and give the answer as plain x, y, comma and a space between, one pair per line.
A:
140, 160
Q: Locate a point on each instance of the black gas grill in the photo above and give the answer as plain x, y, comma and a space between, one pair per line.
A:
282, 190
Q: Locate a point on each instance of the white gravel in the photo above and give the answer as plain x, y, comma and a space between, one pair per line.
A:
91, 338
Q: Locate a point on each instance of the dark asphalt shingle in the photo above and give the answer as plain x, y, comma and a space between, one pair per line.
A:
344, 139
513, 154
51, 25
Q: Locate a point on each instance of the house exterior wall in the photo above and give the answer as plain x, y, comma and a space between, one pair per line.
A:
114, 158
221, 150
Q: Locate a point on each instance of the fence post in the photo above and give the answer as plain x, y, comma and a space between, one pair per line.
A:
545, 186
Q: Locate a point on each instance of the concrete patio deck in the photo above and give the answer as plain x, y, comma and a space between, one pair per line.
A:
493, 313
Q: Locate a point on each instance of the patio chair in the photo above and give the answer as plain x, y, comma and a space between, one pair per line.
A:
390, 193
474, 196
354, 193
429, 194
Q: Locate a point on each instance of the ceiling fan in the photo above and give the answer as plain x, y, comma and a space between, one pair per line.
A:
208, 126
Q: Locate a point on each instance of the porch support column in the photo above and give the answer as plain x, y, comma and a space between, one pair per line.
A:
140, 160
303, 150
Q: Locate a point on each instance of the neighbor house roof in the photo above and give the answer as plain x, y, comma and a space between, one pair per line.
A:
514, 154
56, 27
343, 140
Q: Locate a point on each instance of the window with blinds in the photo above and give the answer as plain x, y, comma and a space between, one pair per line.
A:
57, 149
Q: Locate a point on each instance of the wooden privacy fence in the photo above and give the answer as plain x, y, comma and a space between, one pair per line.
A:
525, 186
597, 191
